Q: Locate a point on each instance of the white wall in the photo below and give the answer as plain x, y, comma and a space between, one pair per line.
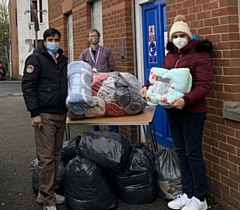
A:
26, 32
139, 49
97, 18
139, 38
70, 38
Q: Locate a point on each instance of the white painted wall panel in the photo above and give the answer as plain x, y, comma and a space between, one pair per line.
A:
26, 32
70, 38
97, 18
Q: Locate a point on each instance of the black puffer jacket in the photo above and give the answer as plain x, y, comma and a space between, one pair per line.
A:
44, 83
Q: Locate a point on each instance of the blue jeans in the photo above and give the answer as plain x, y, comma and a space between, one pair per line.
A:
112, 128
186, 130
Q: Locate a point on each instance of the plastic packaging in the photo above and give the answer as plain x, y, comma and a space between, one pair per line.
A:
108, 150
86, 186
136, 183
168, 173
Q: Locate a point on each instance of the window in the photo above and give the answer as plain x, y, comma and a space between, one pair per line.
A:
36, 5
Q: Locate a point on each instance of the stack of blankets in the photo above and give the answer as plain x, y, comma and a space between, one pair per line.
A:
167, 85
101, 94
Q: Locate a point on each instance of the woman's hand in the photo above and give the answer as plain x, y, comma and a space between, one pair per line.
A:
178, 103
143, 92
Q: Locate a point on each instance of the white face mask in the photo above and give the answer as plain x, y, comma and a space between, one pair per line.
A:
180, 42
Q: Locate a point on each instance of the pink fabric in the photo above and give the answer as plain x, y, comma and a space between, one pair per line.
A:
98, 78
114, 109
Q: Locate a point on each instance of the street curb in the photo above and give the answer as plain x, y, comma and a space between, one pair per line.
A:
10, 94
10, 81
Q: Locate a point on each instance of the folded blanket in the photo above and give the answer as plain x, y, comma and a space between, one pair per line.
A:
98, 110
168, 85
114, 109
73, 116
79, 98
98, 79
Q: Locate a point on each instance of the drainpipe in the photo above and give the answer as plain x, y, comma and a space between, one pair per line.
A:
10, 62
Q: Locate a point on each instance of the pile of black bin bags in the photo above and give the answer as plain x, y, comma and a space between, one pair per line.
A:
106, 165
99, 167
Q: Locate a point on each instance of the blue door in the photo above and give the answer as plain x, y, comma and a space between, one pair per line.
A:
154, 31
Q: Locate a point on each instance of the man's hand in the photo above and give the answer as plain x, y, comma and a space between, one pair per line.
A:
178, 103
37, 122
143, 92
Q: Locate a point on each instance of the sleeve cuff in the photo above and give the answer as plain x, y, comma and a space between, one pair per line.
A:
34, 113
186, 100
146, 85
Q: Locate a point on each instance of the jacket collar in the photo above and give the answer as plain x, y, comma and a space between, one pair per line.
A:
192, 46
41, 49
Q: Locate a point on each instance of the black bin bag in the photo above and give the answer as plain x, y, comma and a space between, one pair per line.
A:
69, 150
86, 186
108, 150
35, 177
136, 183
168, 173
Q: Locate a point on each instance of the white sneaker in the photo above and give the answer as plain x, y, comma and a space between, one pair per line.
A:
59, 199
196, 204
49, 208
179, 202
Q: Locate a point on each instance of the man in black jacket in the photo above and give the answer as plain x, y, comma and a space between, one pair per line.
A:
44, 88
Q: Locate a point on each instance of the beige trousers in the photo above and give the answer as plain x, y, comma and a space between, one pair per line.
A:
49, 141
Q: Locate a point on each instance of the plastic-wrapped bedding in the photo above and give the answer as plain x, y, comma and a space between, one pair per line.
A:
79, 99
122, 88
108, 150
167, 85
119, 92
86, 186
136, 183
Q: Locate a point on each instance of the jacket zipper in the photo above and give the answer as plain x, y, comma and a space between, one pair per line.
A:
178, 60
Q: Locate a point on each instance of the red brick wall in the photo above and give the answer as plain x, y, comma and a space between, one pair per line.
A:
81, 24
58, 20
117, 26
218, 22
81, 15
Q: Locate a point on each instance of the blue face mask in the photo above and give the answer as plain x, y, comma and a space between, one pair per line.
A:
52, 47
